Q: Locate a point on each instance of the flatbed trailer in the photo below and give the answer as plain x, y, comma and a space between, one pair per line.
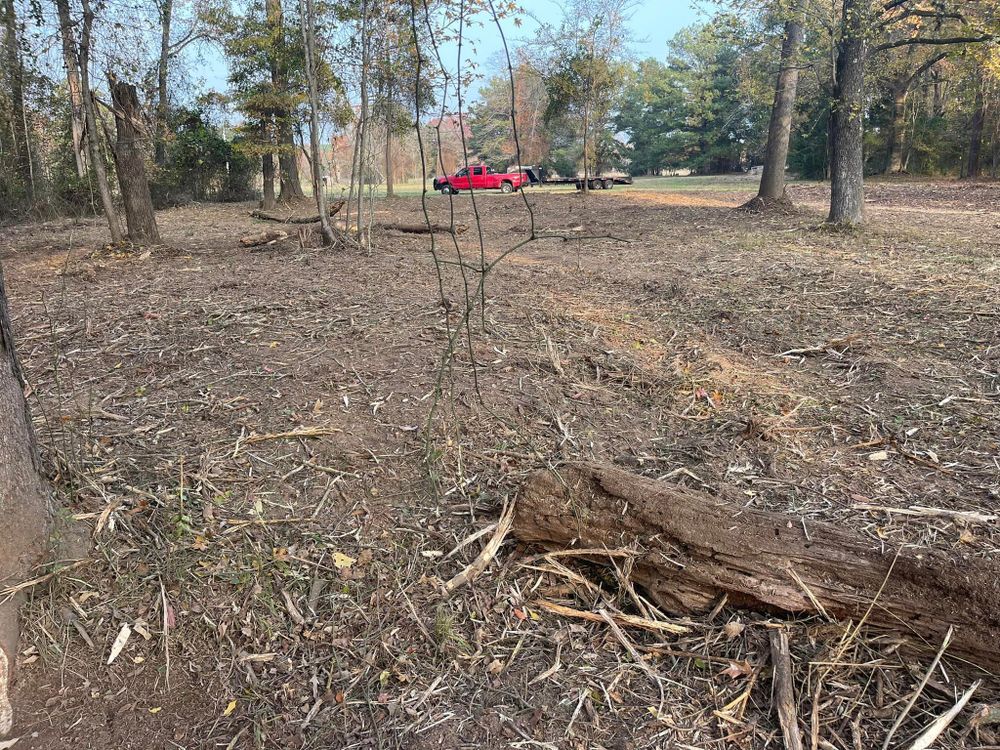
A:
537, 176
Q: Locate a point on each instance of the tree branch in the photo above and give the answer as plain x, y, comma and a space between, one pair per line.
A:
926, 40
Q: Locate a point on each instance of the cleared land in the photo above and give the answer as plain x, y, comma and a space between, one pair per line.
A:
243, 436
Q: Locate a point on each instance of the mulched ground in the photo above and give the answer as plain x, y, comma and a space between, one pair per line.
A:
275, 457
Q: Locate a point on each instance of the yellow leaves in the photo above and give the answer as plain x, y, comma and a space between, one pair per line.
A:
155, 709
342, 561
230, 708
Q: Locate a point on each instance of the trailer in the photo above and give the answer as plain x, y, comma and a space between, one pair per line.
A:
537, 176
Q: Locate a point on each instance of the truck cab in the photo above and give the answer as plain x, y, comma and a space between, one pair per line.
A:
480, 177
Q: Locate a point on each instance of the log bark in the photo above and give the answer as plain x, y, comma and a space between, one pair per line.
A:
263, 238
692, 548
130, 163
24, 505
292, 218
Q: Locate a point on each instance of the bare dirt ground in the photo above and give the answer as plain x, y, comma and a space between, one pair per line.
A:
247, 441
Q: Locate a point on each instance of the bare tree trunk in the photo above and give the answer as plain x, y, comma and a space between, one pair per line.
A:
772, 180
897, 121
291, 185
267, 166
162, 70
15, 80
24, 504
100, 173
847, 160
129, 159
72, 65
976, 131
307, 16
897, 128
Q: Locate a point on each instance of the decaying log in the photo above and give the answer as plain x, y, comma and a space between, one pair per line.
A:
422, 228
693, 547
292, 218
263, 238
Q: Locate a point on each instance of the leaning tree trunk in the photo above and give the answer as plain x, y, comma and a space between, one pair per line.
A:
772, 181
976, 133
129, 159
23, 500
307, 16
90, 114
691, 549
847, 160
72, 65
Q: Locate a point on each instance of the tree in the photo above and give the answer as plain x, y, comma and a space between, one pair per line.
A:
129, 158
90, 114
899, 92
307, 16
24, 500
586, 70
71, 62
867, 28
14, 73
772, 180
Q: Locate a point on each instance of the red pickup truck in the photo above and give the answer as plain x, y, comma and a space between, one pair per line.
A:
480, 177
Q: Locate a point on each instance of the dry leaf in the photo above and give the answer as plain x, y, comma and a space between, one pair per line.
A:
230, 708
342, 561
120, 641
733, 628
737, 669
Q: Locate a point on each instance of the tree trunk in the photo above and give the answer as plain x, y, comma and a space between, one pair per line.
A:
976, 132
692, 548
129, 159
15, 81
307, 16
897, 126
162, 70
24, 503
93, 146
291, 185
267, 167
72, 65
772, 181
847, 190
897, 121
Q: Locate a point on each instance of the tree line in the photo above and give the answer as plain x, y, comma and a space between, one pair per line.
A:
835, 91
101, 113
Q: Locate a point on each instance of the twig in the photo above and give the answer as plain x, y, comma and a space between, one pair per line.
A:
920, 688
930, 735
784, 689
478, 565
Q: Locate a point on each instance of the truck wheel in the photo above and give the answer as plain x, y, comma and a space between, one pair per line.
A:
506, 187
608, 184
446, 190
596, 185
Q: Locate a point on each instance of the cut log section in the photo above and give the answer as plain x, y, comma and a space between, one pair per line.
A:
267, 237
692, 548
291, 218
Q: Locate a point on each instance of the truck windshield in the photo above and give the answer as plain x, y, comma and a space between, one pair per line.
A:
463, 172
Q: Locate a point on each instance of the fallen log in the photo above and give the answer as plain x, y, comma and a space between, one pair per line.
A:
692, 548
422, 228
266, 237
291, 218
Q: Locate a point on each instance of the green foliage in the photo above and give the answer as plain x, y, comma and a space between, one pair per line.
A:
201, 164
700, 110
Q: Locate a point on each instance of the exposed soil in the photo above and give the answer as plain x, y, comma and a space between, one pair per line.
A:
248, 437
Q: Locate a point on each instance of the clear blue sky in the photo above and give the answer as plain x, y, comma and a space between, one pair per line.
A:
653, 23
